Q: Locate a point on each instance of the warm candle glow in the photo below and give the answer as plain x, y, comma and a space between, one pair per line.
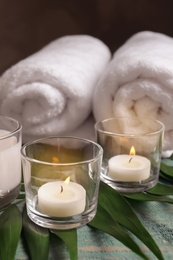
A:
67, 180
55, 159
132, 151
123, 140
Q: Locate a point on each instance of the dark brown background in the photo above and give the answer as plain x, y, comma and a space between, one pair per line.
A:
28, 25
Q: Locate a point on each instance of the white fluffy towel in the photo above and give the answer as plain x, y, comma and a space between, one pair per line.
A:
139, 82
50, 92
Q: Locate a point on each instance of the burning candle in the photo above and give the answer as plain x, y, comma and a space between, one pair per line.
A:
130, 167
61, 199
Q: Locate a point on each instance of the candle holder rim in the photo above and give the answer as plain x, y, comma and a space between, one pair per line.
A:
17, 128
129, 135
99, 154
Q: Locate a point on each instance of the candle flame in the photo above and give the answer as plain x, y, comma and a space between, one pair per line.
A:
67, 180
132, 150
55, 159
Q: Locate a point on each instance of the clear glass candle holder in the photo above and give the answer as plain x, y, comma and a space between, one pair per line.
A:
10, 160
61, 177
131, 152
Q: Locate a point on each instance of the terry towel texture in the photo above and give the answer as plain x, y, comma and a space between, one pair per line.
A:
139, 82
50, 92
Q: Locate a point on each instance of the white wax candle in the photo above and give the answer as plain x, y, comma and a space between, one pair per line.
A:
61, 200
129, 167
10, 162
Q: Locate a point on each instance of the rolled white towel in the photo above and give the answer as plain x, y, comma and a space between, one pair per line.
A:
84, 130
50, 92
139, 82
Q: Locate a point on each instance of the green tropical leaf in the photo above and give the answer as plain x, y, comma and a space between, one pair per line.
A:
70, 239
148, 197
10, 230
167, 167
36, 238
104, 222
158, 193
166, 170
165, 177
21, 196
161, 189
168, 162
120, 210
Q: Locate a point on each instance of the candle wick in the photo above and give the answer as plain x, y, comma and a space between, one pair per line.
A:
130, 159
61, 189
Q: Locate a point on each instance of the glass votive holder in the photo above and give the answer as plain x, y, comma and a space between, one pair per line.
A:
131, 152
61, 177
10, 160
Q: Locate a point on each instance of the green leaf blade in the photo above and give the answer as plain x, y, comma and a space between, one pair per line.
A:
149, 197
120, 210
168, 162
167, 167
10, 230
36, 238
161, 189
104, 222
70, 239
